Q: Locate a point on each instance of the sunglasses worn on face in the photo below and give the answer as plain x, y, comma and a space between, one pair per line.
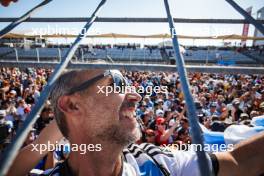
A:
150, 135
162, 124
118, 80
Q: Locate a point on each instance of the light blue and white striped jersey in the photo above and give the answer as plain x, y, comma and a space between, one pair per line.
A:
150, 160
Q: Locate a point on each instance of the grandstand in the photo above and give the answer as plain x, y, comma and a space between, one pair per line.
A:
163, 55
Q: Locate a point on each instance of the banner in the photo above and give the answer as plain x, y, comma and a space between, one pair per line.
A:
246, 28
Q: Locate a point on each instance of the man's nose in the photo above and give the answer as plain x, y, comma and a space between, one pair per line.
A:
133, 97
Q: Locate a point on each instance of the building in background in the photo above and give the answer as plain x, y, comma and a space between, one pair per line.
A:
260, 16
246, 28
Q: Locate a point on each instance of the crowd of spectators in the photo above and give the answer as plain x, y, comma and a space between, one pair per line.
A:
220, 100
19, 91
256, 48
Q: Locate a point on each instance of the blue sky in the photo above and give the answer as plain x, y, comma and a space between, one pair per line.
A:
136, 8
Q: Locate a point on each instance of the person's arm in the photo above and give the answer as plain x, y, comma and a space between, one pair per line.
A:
168, 133
224, 114
169, 117
233, 115
28, 159
247, 158
2, 92
181, 115
49, 161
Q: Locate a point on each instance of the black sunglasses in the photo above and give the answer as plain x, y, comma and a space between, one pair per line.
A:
162, 124
118, 80
150, 135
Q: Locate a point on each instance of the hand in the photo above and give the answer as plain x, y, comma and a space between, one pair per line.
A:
27, 159
176, 124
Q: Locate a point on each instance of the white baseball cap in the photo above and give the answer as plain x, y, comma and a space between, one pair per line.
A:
159, 112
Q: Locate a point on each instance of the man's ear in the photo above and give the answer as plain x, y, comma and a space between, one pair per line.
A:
68, 105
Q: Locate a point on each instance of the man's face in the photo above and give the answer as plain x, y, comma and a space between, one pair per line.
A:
143, 108
161, 127
147, 117
107, 118
213, 108
150, 138
22, 103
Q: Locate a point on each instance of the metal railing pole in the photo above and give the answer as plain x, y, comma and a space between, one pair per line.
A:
16, 54
128, 20
248, 17
37, 52
257, 69
191, 110
59, 54
22, 18
14, 147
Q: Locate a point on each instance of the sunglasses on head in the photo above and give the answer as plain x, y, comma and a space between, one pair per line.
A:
116, 75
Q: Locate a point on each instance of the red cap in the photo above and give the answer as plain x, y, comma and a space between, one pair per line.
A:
27, 110
160, 120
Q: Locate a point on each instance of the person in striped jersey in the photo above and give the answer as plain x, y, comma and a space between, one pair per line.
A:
86, 115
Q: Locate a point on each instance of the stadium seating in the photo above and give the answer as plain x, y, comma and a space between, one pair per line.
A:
128, 54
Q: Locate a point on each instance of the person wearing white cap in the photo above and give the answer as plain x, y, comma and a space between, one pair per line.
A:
212, 110
159, 113
168, 103
20, 110
149, 103
159, 103
13, 92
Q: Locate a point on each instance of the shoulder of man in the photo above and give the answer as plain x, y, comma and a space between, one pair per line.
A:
60, 169
172, 161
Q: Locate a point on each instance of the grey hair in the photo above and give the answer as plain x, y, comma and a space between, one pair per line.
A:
62, 85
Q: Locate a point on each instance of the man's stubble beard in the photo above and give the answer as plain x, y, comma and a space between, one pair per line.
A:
117, 134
